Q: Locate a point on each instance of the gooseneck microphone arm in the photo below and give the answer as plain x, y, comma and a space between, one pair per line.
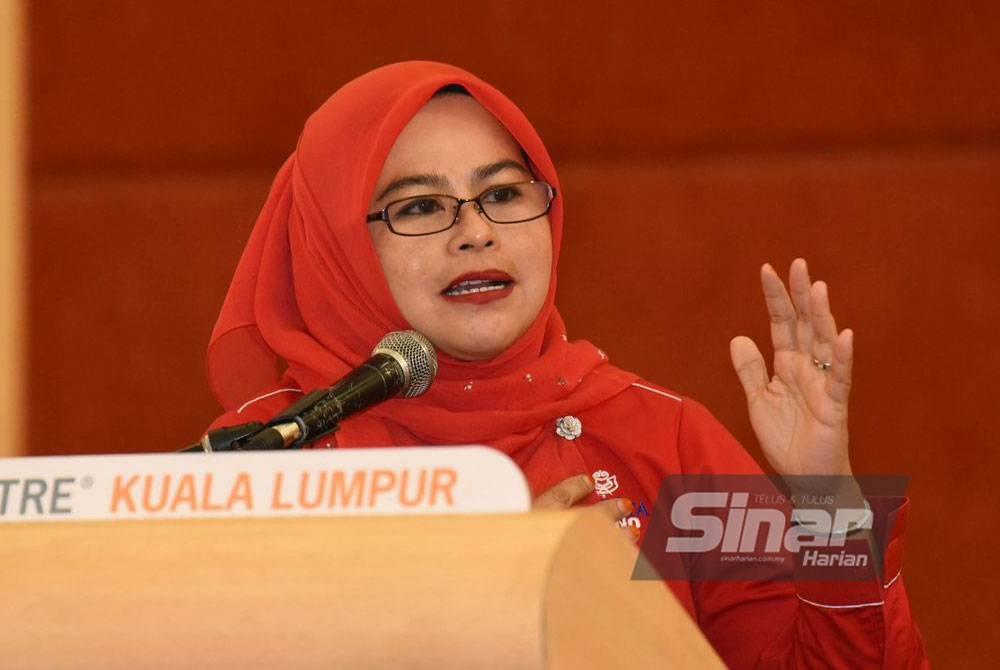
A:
403, 363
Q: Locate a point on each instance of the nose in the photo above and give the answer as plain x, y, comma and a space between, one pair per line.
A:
472, 230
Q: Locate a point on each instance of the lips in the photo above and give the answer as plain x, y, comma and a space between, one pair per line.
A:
480, 286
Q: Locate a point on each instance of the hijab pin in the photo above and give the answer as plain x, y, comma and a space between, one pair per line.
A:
569, 427
529, 378
468, 387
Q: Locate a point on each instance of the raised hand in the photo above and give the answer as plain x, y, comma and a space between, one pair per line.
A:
800, 413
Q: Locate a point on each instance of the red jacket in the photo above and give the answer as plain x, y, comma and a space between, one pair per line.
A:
646, 434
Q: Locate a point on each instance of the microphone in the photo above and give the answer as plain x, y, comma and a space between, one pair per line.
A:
403, 363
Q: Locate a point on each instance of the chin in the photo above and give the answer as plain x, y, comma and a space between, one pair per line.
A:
474, 354
475, 349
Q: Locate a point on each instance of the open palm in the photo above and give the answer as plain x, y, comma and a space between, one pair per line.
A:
800, 413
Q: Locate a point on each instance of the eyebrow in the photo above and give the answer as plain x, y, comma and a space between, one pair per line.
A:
434, 180
441, 182
486, 171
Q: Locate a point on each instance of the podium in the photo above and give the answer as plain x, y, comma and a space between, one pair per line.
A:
529, 590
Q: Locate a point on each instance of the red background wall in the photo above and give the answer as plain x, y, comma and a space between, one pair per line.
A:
695, 142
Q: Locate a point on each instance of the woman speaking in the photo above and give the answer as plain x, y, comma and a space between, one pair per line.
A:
419, 197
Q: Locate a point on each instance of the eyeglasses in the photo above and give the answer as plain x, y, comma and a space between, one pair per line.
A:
435, 213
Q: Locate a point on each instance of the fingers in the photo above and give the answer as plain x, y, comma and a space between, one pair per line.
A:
817, 331
838, 382
799, 284
565, 494
823, 324
781, 310
800, 320
616, 509
570, 491
749, 365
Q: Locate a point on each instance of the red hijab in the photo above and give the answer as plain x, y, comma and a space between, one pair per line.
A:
309, 290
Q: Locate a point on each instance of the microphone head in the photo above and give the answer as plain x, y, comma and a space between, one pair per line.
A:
416, 355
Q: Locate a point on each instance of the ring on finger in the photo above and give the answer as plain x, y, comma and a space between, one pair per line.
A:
822, 366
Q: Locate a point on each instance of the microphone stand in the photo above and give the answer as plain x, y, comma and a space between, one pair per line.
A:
224, 439
240, 438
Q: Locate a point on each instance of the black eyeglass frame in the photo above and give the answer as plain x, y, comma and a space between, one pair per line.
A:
383, 214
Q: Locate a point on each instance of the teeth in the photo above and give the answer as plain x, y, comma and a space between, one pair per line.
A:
476, 286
